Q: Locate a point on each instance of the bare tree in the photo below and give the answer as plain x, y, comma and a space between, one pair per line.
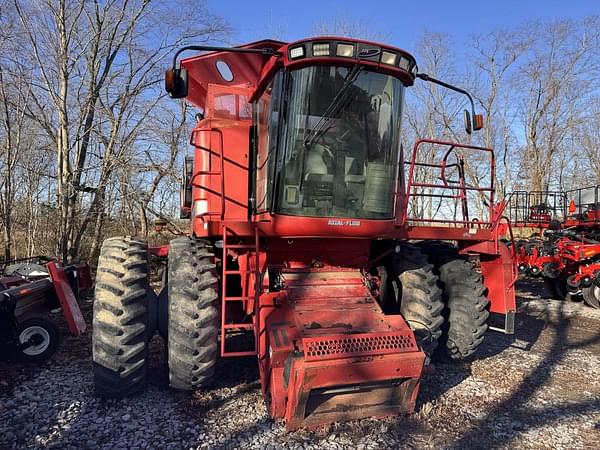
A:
348, 27
496, 54
554, 83
81, 51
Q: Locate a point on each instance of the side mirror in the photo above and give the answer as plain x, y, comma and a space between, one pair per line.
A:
477, 122
176, 83
468, 127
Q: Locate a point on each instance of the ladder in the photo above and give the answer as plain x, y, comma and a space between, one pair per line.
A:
215, 184
248, 294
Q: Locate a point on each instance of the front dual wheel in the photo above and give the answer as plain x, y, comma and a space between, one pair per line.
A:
440, 295
123, 322
193, 323
409, 287
465, 301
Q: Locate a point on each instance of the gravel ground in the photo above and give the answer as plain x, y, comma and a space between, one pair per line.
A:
540, 389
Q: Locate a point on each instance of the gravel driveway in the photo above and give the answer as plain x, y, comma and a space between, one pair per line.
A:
538, 390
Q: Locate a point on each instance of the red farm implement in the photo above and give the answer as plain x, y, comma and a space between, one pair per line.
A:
30, 289
568, 253
315, 244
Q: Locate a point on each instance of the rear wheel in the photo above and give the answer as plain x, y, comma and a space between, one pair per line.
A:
120, 323
464, 298
193, 314
410, 284
591, 296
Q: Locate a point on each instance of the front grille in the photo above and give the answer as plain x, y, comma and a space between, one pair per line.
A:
349, 345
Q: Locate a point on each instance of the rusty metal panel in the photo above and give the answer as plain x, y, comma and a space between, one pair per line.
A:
364, 344
377, 399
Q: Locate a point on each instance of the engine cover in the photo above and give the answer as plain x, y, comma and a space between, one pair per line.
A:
333, 355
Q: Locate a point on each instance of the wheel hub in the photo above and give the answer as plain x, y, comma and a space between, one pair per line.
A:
38, 339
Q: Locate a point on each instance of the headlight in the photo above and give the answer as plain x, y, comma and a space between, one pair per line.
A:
404, 63
346, 50
388, 58
297, 52
320, 49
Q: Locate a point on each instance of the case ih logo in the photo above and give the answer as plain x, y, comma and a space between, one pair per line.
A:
368, 52
343, 223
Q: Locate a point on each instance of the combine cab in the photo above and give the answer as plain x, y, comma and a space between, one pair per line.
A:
316, 245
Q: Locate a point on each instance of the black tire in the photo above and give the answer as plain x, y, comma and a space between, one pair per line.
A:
556, 288
193, 319
121, 314
465, 301
44, 336
409, 283
591, 296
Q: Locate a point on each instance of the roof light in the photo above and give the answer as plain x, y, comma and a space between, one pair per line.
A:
346, 50
404, 63
297, 52
320, 49
388, 58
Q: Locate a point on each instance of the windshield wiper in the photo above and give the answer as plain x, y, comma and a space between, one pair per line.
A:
332, 108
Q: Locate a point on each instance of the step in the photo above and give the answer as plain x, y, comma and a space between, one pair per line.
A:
244, 326
250, 353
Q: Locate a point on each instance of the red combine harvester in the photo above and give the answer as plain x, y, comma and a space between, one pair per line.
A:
568, 254
315, 246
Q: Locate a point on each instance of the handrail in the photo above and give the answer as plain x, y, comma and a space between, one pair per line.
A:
220, 172
462, 187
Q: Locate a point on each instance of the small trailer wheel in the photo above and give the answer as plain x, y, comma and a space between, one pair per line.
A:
38, 339
591, 296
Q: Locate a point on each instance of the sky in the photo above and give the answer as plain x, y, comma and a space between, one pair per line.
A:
400, 21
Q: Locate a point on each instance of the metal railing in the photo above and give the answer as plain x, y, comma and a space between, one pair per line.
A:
430, 177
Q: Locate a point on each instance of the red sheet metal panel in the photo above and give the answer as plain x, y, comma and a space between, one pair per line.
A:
245, 68
67, 299
331, 354
360, 344
499, 275
321, 392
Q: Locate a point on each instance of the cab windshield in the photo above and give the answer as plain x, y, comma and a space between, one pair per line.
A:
338, 149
